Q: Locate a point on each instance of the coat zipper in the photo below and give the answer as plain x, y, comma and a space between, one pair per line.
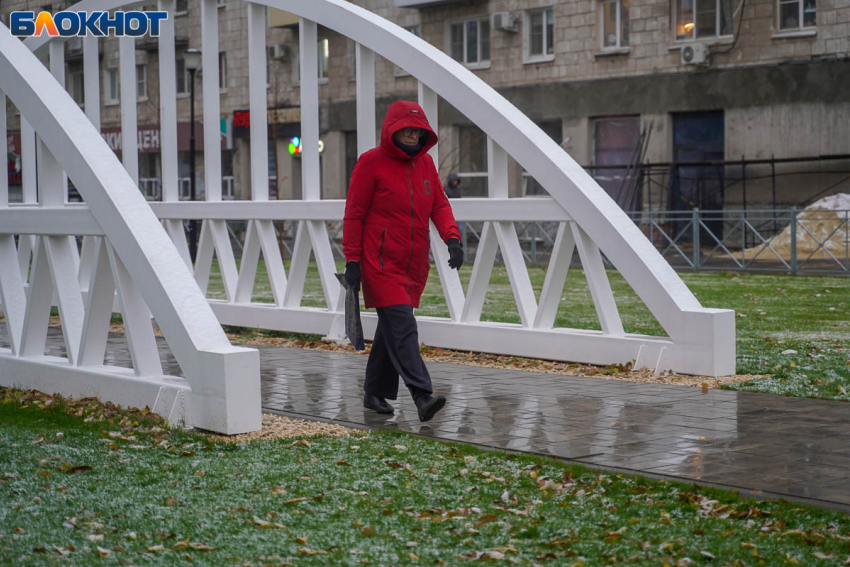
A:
381, 248
410, 258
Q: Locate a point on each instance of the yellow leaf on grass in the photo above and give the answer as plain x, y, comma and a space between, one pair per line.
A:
103, 552
302, 540
156, 548
261, 523
309, 551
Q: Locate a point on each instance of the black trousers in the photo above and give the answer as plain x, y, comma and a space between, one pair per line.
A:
395, 352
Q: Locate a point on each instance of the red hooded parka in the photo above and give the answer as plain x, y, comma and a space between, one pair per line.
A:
391, 198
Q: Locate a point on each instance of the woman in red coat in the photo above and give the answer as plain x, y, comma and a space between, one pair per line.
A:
395, 191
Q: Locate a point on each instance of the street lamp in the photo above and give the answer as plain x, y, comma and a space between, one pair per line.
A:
192, 61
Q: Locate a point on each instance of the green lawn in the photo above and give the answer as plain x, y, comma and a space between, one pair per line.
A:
103, 493
808, 314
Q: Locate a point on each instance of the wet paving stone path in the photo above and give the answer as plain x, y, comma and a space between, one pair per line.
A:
785, 446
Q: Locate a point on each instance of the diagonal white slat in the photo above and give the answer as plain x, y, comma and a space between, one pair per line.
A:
168, 111
66, 286
87, 257
301, 250
257, 94
298, 266
449, 278
485, 257
429, 102
366, 125
39, 300
597, 281
12, 294
334, 293
259, 238
174, 228
137, 320
99, 302
517, 271
203, 260
212, 115
556, 277
224, 254
129, 111
309, 51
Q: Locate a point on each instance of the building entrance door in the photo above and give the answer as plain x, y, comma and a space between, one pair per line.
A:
698, 137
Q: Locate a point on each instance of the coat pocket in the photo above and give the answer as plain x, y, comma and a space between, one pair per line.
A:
381, 248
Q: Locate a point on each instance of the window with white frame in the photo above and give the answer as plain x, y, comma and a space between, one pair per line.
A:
540, 34
797, 14
113, 88
76, 86
222, 70
614, 24
324, 52
142, 82
324, 55
469, 41
703, 19
182, 75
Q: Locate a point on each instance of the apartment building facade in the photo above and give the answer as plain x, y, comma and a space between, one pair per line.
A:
675, 83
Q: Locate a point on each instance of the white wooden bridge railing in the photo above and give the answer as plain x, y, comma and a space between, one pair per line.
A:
698, 341
126, 255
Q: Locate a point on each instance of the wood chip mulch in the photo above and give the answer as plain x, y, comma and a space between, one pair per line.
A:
280, 427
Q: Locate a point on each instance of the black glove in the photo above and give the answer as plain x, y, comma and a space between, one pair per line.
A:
352, 275
455, 253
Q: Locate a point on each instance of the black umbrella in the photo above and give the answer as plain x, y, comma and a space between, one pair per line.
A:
353, 326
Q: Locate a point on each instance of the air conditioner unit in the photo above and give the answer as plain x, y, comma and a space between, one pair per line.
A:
506, 21
278, 51
694, 54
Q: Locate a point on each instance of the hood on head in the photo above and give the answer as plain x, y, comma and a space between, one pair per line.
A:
404, 114
454, 177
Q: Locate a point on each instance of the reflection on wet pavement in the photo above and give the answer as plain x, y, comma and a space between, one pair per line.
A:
789, 446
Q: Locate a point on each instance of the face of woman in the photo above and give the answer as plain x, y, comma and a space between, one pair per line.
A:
409, 136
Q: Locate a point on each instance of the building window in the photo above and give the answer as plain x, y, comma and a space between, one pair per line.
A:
701, 19
222, 70
181, 7
324, 52
182, 75
142, 82
530, 186
113, 90
399, 72
472, 161
221, 3
797, 14
614, 141
614, 24
76, 86
470, 42
540, 34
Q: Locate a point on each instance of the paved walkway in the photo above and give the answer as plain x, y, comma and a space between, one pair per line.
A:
786, 446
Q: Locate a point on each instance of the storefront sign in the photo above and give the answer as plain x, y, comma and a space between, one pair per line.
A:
242, 118
149, 137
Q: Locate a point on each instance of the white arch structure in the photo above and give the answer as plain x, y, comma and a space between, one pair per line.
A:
128, 252
698, 341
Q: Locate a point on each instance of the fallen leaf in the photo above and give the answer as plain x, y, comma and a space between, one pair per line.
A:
156, 548
294, 500
186, 453
302, 540
369, 531
170, 501
707, 555
485, 519
103, 552
309, 551
95, 537
79, 469
343, 463
261, 523
278, 490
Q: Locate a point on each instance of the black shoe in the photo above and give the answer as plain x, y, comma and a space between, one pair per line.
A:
428, 406
380, 405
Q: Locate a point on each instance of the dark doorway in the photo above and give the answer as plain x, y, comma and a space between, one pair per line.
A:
698, 137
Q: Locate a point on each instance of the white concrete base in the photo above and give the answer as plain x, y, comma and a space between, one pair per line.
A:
164, 395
